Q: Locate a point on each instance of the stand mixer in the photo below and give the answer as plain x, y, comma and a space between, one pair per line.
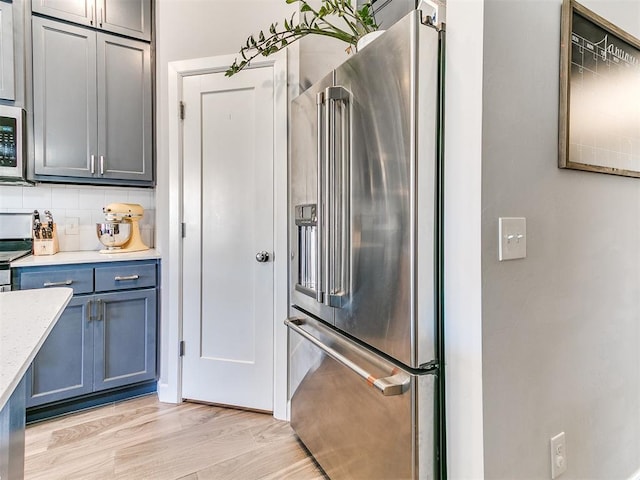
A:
120, 232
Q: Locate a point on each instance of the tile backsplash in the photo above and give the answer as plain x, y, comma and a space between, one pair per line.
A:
73, 205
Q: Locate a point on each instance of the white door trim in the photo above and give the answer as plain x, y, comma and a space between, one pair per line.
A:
169, 390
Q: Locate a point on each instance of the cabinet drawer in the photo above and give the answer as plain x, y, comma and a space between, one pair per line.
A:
81, 280
125, 277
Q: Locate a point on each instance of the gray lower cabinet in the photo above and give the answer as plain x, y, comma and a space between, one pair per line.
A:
124, 339
63, 367
92, 106
104, 340
125, 17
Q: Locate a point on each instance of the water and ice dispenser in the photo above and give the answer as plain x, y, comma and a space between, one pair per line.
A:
307, 227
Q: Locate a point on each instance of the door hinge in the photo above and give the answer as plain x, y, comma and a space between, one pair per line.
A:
183, 230
181, 348
181, 110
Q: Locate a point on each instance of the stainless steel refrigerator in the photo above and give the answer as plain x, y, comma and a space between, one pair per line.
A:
365, 325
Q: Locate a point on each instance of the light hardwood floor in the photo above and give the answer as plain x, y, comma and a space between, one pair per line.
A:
145, 439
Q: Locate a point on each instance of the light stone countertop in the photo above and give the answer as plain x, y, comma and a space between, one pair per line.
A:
26, 319
70, 258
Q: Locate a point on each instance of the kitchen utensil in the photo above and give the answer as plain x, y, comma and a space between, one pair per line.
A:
120, 232
49, 218
36, 224
113, 235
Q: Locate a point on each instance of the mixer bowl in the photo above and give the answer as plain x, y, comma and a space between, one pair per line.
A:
113, 234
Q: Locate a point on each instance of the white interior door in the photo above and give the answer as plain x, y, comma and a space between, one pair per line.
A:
228, 212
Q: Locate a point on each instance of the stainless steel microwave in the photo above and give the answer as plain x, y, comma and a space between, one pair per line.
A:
12, 144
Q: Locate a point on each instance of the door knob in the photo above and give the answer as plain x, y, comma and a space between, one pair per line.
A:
262, 257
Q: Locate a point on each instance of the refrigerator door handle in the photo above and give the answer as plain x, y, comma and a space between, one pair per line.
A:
336, 256
326, 218
319, 204
395, 384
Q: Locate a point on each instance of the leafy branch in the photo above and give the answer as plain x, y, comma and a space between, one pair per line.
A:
359, 22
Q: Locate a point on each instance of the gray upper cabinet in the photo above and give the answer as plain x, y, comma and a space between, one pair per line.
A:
7, 79
76, 11
125, 17
65, 99
124, 109
92, 106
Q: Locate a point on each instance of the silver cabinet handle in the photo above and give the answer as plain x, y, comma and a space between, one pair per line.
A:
101, 158
100, 309
57, 284
128, 277
320, 200
101, 16
91, 16
100, 306
395, 384
93, 164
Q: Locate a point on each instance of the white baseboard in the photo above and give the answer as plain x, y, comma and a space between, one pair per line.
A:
166, 394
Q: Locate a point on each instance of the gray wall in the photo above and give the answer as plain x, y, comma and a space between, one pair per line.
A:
561, 328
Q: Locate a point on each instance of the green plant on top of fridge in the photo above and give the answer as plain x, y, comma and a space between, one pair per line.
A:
355, 23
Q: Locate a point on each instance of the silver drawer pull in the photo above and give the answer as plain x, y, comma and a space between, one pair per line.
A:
129, 277
57, 284
395, 384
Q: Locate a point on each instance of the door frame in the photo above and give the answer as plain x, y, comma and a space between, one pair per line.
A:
170, 384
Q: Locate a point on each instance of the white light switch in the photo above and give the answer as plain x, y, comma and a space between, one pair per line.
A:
512, 234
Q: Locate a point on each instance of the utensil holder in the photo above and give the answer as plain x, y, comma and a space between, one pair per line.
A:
47, 246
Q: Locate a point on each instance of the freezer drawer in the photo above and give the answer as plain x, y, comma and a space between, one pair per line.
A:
380, 427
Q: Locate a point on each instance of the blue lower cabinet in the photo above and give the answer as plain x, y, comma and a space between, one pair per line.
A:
124, 339
12, 423
63, 367
105, 341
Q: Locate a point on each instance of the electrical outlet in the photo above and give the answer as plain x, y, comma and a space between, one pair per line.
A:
71, 226
558, 455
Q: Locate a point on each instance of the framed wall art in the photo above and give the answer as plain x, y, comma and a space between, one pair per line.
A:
599, 94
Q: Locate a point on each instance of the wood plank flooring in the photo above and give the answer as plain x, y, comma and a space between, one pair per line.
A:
145, 439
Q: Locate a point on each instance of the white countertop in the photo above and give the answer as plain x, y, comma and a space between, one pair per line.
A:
26, 318
69, 258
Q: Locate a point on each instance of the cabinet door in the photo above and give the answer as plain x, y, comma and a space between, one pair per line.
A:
76, 11
65, 99
126, 17
125, 339
7, 81
63, 367
124, 109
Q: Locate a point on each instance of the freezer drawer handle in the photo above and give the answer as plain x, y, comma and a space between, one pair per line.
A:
395, 384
